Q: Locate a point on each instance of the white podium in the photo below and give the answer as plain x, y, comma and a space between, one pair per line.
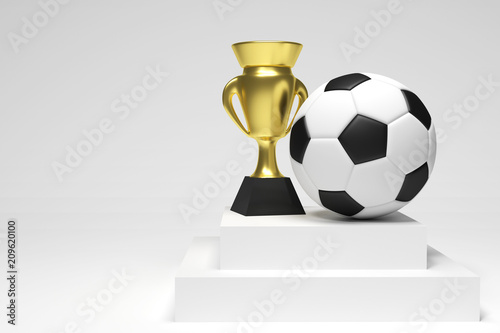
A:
279, 242
321, 268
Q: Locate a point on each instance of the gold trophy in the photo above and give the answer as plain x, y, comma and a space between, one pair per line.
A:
266, 90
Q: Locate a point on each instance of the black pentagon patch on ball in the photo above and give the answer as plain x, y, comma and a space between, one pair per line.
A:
413, 183
299, 139
417, 108
364, 139
346, 82
340, 202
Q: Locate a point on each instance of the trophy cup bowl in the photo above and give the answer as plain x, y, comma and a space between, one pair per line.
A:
266, 91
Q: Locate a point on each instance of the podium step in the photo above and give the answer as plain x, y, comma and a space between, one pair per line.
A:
276, 242
445, 291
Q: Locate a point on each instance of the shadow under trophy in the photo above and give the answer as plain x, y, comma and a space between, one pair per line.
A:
266, 91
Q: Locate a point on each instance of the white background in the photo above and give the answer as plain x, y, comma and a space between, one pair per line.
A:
120, 207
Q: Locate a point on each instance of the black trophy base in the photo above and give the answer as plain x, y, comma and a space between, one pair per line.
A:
267, 196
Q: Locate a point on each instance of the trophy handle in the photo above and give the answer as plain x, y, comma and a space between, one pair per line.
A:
230, 90
301, 91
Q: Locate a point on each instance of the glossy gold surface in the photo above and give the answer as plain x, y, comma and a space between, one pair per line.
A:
267, 53
266, 91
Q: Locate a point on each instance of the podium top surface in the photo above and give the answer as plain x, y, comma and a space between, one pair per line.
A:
316, 217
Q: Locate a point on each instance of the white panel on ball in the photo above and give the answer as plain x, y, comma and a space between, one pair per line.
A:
279, 242
380, 210
327, 164
304, 181
375, 183
407, 143
330, 114
387, 80
205, 293
379, 101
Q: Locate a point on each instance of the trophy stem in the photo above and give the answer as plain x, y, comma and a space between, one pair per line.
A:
267, 166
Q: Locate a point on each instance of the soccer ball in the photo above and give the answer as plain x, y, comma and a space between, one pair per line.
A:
363, 145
